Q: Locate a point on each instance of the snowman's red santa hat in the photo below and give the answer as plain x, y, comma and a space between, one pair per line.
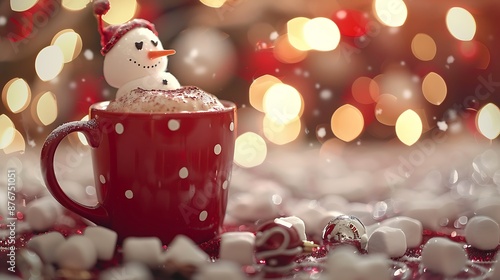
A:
112, 33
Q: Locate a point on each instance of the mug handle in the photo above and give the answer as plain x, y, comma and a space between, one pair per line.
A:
96, 214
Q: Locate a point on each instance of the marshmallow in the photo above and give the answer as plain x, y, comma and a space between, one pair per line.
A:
344, 256
412, 228
42, 213
183, 250
482, 233
429, 214
344, 264
220, 270
491, 210
388, 241
46, 245
146, 250
237, 247
375, 268
252, 207
444, 256
22, 227
312, 214
298, 224
104, 241
262, 201
130, 271
371, 228
77, 252
30, 264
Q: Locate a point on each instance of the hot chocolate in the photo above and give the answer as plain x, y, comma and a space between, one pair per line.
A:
183, 99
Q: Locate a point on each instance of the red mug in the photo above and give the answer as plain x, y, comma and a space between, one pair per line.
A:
158, 174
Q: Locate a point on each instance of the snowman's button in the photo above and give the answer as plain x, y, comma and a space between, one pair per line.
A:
165, 82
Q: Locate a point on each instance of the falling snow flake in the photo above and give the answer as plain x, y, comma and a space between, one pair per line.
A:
88, 54
325, 94
442, 125
321, 132
31, 143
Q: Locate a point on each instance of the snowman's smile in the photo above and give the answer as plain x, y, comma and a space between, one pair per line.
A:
144, 66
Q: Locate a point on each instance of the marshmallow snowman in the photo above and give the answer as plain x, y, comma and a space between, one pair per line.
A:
134, 57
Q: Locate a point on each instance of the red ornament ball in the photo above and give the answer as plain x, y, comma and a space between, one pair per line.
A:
345, 229
278, 244
351, 23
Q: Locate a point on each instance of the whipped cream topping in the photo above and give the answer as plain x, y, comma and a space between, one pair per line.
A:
183, 99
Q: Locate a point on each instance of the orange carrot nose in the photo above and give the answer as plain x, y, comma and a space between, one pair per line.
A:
160, 53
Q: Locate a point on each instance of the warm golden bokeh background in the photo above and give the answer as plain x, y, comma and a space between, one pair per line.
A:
323, 74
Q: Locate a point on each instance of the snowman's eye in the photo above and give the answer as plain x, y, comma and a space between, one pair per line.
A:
138, 45
155, 43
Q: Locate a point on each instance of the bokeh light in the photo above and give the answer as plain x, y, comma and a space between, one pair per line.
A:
347, 123
434, 88
400, 83
46, 108
296, 33
205, 57
285, 52
69, 42
321, 34
258, 89
387, 109
282, 103
351, 22
7, 131
409, 127
17, 145
81, 137
16, 95
423, 47
22, 5
392, 13
74, 5
365, 90
461, 24
213, 3
281, 134
332, 148
121, 11
49, 63
476, 53
488, 121
250, 150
